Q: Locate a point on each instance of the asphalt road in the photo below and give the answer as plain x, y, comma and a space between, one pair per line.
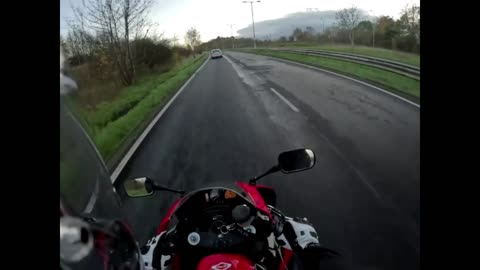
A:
228, 124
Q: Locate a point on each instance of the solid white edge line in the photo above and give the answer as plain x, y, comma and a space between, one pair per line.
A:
144, 134
285, 100
346, 77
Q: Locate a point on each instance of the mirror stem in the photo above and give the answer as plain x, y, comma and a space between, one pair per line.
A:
158, 187
254, 180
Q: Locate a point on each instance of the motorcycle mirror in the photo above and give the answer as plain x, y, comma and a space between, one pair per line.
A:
139, 187
296, 160
290, 162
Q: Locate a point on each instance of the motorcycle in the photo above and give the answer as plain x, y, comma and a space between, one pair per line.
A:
235, 227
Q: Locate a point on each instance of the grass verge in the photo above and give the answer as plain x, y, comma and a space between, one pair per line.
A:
379, 77
115, 125
404, 57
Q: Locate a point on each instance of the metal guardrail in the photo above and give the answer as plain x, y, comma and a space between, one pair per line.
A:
393, 66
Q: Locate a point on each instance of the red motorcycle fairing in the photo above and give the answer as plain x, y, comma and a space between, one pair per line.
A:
179, 202
166, 220
287, 255
256, 197
251, 190
225, 261
268, 194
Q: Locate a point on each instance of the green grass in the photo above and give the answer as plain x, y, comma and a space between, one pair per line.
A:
408, 58
383, 78
112, 123
137, 193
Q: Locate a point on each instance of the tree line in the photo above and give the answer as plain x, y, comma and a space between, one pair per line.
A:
352, 28
402, 34
114, 41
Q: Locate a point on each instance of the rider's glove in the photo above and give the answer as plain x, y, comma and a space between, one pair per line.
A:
155, 253
302, 234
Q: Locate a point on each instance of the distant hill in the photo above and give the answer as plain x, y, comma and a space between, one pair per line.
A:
274, 29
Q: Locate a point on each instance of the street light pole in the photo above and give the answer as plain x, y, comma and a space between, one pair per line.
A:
231, 34
253, 22
373, 29
373, 42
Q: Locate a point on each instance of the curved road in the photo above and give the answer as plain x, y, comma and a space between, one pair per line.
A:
228, 124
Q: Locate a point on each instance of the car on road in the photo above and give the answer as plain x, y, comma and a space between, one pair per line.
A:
216, 53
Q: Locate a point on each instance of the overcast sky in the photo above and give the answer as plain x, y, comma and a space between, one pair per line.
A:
211, 17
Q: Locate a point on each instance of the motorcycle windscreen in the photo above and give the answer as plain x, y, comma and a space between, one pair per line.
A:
84, 180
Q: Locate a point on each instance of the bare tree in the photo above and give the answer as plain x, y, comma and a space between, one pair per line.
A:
348, 19
117, 22
310, 30
331, 33
63, 45
297, 34
410, 21
79, 43
192, 39
309, 33
174, 40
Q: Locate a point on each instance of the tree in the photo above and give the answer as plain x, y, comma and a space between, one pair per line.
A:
309, 33
117, 22
80, 45
174, 40
297, 34
410, 19
348, 19
387, 31
409, 25
192, 39
330, 34
150, 52
310, 30
63, 46
364, 26
364, 32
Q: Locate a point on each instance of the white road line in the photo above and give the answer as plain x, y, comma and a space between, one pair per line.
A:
140, 139
333, 147
352, 79
285, 100
295, 109
228, 59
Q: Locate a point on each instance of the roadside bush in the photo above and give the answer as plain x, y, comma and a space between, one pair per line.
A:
151, 54
407, 43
